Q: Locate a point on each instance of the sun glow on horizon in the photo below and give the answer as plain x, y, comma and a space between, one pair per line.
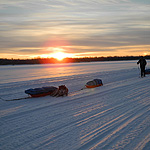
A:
60, 55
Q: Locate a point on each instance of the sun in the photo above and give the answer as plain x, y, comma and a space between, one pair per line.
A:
59, 55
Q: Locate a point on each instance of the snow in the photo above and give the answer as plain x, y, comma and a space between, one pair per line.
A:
113, 116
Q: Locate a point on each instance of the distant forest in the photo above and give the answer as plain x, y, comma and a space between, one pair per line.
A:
66, 60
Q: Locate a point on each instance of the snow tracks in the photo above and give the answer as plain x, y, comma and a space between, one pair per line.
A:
114, 116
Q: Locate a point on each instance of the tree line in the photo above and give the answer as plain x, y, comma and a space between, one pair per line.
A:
5, 61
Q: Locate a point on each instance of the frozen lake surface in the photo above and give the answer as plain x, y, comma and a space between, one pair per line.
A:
31, 72
115, 116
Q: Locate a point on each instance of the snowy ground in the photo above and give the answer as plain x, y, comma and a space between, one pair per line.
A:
114, 116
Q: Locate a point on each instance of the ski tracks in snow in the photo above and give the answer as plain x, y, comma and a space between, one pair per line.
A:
114, 116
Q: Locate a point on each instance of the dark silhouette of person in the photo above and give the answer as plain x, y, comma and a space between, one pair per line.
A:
142, 63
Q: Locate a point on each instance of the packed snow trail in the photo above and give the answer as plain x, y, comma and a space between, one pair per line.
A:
114, 116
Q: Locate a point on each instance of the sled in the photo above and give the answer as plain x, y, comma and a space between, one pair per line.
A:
39, 92
147, 71
44, 91
94, 83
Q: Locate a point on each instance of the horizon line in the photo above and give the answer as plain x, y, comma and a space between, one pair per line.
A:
74, 57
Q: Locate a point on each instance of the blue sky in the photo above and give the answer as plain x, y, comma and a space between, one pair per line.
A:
78, 27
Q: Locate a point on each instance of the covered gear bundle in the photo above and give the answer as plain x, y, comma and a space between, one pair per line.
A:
61, 91
94, 83
147, 71
49, 90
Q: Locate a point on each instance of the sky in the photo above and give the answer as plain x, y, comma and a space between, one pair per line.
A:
76, 28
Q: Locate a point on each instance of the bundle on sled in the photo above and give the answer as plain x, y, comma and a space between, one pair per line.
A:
62, 90
49, 90
94, 83
147, 71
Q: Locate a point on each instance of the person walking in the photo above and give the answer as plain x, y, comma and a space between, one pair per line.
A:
142, 63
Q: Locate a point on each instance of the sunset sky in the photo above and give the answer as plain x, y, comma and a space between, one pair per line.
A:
74, 28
